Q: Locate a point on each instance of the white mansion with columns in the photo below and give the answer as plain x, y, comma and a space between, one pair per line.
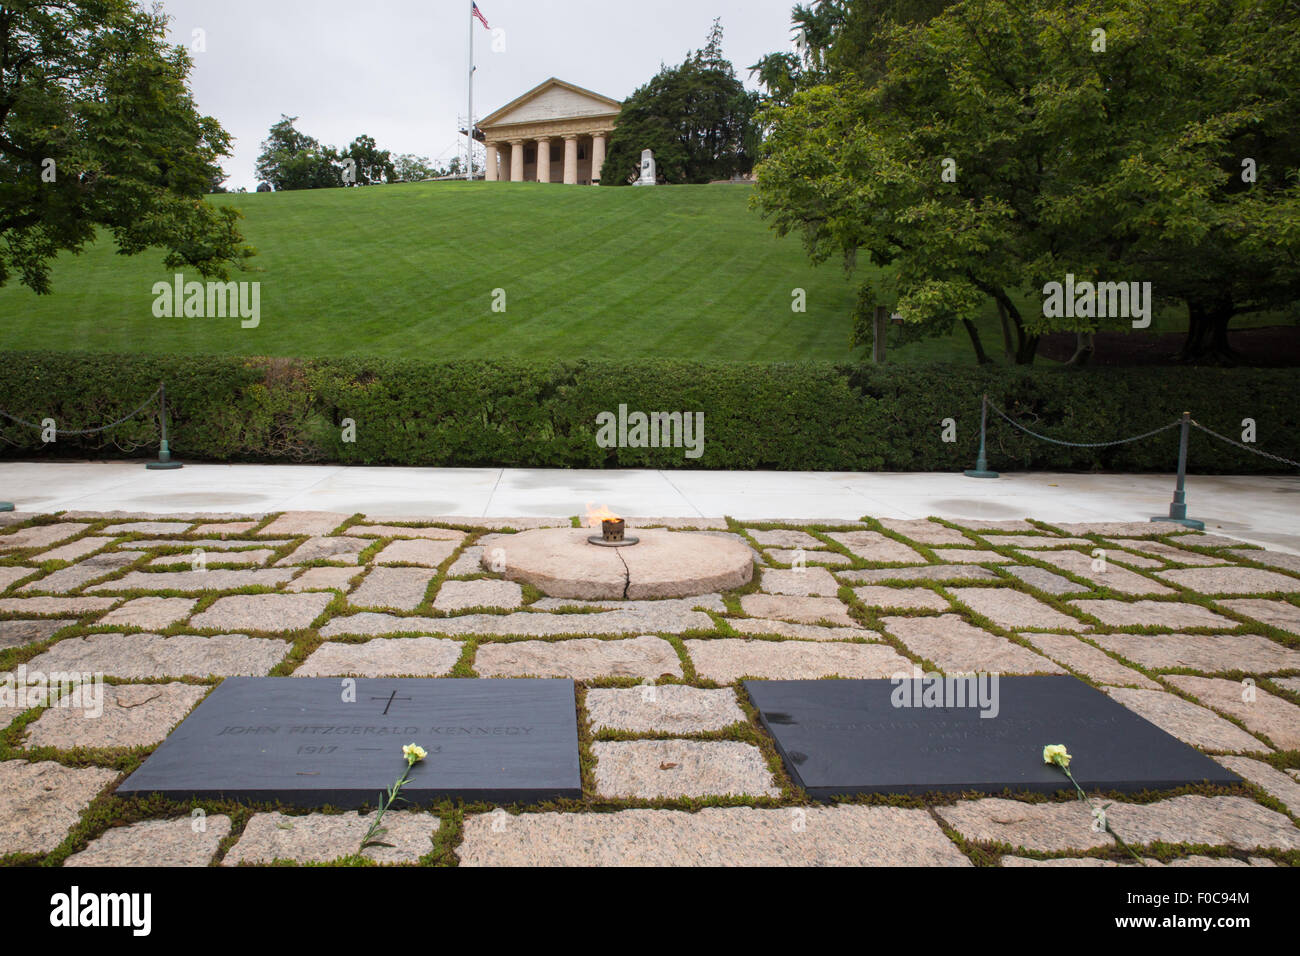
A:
554, 133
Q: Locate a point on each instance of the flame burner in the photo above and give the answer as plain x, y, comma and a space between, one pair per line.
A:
612, 535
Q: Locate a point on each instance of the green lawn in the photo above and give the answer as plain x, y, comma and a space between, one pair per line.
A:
409, 270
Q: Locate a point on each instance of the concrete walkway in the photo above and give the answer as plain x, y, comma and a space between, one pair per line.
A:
1261, 510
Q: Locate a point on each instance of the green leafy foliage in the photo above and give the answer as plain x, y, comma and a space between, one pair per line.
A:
797, 416
698, 118
98, 129
985, 148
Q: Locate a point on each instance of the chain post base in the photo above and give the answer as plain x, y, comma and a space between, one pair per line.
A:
1185, 522
164, 462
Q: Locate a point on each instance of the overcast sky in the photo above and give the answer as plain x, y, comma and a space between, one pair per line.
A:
396, 69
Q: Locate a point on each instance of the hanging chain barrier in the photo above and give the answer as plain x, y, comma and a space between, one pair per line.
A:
1253, 451
164, 453
87, 431
1084, 444
1178, 507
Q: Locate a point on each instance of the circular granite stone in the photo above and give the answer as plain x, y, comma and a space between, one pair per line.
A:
561, 563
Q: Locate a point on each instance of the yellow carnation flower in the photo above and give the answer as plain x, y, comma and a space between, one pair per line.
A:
1057, 754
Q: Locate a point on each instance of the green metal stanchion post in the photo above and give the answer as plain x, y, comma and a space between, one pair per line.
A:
1178, 507
164, 462
981, 469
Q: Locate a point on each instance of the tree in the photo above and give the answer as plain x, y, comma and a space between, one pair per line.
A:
372, 165
697, 118
291, 159
409, 168
838, 38
98, 130
1000, 147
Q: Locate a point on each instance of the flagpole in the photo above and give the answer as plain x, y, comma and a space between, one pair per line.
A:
469, 121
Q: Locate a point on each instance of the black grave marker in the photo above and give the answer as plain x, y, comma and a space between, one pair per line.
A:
847, 736
297, 740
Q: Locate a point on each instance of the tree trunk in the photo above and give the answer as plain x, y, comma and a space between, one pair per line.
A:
1084, 348
1220, 350
1008, 347
1026, 344
1194, 344
1207, 333
980, 356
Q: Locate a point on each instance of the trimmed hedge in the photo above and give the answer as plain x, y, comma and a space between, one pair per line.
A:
797, 416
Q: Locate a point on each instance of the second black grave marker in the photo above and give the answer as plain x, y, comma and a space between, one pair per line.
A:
841, 737
304, 742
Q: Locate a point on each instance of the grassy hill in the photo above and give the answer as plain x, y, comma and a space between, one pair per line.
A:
409, 270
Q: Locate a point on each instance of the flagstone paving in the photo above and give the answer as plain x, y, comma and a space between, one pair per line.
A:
970, 556
1042, 827
1277, 784
40, 536
913, 599
462, 595
801, 610
581, 659
1045, 580
661, 713
1166, 614
715, 836
726, 661
55, 605
383, 657
671, 708
803, 582
1203, 652
960, 648
199, 557
322, 838
338, 550
1188, 722
263, 612
874, 546
150, 613
1082, 658
931, 572
155, 656
31, 819
321, 579
1261, 712
218, 579
809, 632
1088, 567
19, 633
1277, 614
1232, 580
831, 558
133, 715
402, 589
1013, 609
648, 769
184, 841
417, 551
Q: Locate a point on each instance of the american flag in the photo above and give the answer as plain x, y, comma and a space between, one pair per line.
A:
479, 15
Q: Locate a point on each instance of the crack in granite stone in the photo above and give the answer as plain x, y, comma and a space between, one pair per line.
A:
627, 572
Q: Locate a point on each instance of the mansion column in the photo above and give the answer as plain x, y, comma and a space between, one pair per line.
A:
517, 161
543, 160
570, 160
597, 156
490, 173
